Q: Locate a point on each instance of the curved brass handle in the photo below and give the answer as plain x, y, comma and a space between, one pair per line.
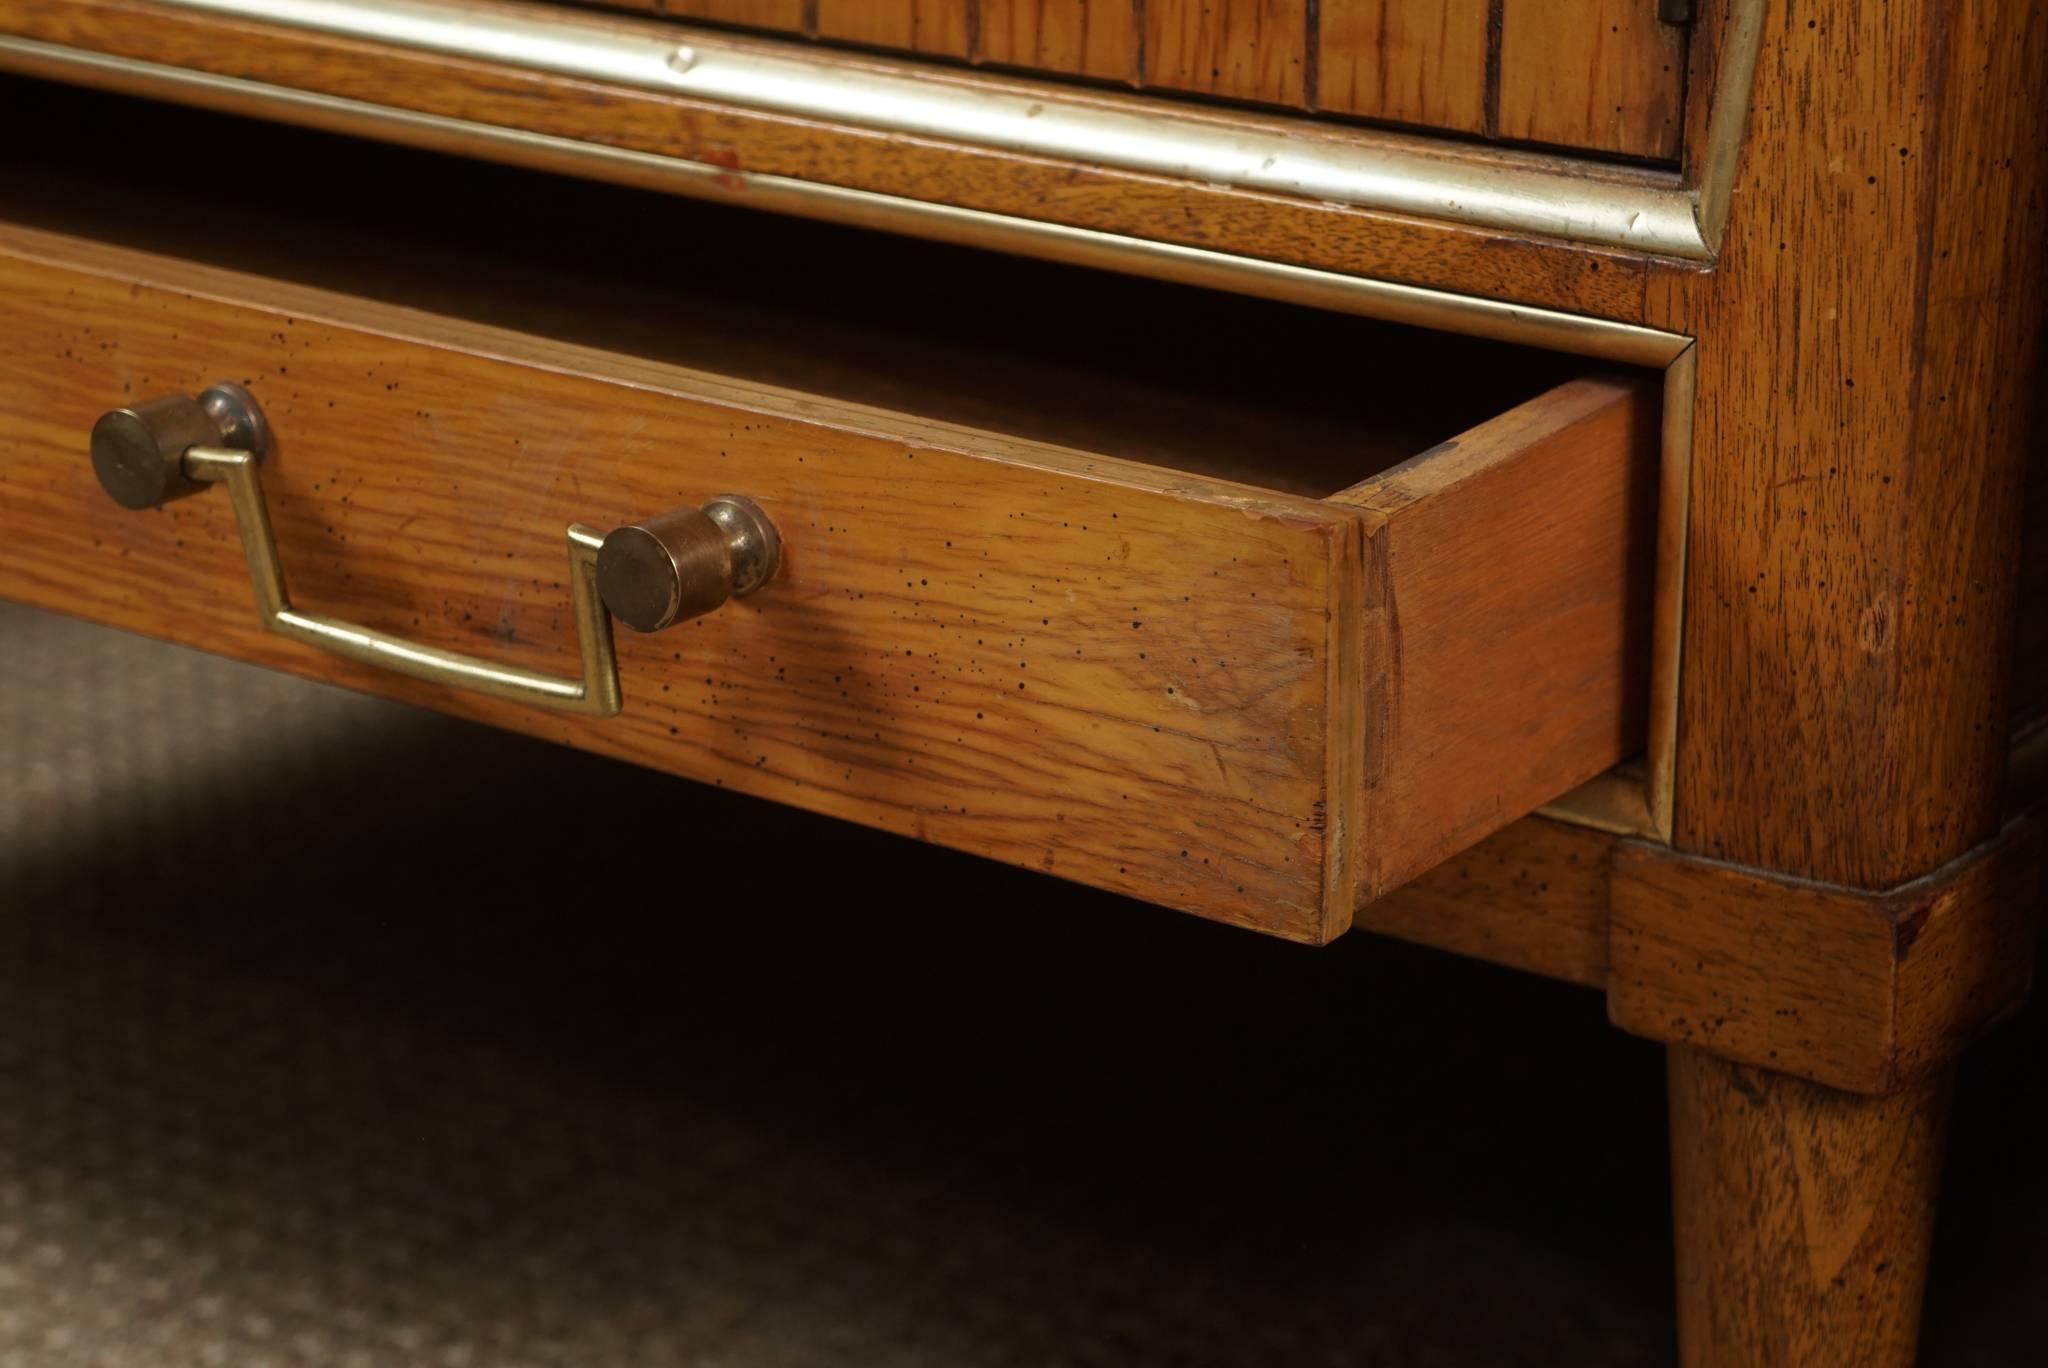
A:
169, 448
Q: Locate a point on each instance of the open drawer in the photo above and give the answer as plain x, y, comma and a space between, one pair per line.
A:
1248, 612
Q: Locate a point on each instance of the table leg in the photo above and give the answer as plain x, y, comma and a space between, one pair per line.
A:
1803, 1216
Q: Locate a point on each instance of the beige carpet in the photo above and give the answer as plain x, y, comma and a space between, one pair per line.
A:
332, 1033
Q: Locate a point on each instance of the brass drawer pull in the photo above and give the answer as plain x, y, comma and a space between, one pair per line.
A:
169, 448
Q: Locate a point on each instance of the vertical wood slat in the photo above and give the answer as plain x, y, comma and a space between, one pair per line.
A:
1413, 61
1242, 49
1076, 37
785, 15
1601, 74
941, 27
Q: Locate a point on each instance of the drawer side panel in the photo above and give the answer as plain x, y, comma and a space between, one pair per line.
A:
1508, 602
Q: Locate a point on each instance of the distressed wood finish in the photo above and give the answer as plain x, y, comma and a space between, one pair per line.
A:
1864, 992
1864, 368
1803, 1216
1245, 49
1865, 386
1558, 583
1096, 38
1410, 61
1070, 662
1276, 228
1143, 678
1533, 896
1600, 74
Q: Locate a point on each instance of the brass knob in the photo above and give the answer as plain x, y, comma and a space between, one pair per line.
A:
138, 453
684, 564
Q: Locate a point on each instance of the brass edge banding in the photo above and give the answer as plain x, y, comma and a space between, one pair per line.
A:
1543, 196
1728, 120
1638, 799
1667, 631
1607, 339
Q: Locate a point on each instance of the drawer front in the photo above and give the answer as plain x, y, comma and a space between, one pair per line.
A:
1114, 673
1261, 707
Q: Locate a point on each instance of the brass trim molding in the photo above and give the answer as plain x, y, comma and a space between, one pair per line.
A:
1607, 339
1728, 118
1545, 196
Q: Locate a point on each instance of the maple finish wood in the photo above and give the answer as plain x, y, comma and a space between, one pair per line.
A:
1143, 678
1804, 1215
1864, 992
1272, 227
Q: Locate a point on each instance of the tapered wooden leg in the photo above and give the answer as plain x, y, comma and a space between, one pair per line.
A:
1803, 1216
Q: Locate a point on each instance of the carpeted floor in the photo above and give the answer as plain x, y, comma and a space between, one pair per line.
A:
332, 1033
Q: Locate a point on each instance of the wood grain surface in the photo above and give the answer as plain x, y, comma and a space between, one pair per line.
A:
1527, 540
1274, 227
1533, 896
1865, 389
788, 15
1247, 49
1865, 357
1409, 61
1601, 74
1804, 1216
1136, 676
941, 27
1070, 37
1066, 661
1864, 992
